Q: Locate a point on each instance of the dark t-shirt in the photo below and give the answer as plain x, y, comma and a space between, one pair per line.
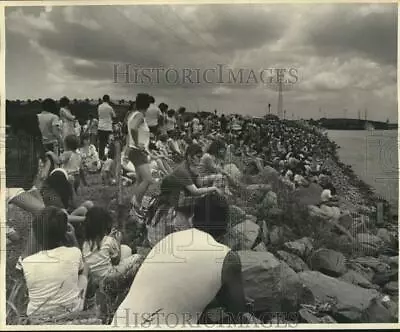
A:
51, 198
175, 183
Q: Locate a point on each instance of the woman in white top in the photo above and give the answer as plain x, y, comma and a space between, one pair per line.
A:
138, 146
68, 120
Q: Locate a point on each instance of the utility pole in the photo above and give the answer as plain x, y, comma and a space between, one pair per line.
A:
269, 108
284, 114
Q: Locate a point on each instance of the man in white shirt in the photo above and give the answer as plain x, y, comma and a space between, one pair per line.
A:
106, 115
185, 272
49, 124
153, 114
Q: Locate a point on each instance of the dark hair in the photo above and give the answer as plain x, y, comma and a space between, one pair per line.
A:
163, 107
23, 149
181, 110
64, 101
211, 214
152, 100
171, 112
98, 223
106, 98
49, 105
50, 227
142, 101
215, 147
85, 136
193, 150
61, 186
72, 142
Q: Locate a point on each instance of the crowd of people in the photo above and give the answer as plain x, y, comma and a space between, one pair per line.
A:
196, 163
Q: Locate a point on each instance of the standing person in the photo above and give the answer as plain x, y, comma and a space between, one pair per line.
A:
162, 121
106, 115
68, 120
92, 127
50, 126
170, 122
138, 146
224, 123
197, 268
153, 114
180, 120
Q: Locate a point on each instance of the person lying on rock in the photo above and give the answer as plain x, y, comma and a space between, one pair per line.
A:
185, 272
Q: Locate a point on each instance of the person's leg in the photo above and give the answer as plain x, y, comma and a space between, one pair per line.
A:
147, 180
125, 251
102, 142
83, 209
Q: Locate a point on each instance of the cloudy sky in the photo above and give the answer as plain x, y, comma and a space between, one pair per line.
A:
345, 55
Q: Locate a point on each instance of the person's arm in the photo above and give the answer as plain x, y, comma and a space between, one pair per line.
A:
231, 295
27, 202
195, 191
68, 115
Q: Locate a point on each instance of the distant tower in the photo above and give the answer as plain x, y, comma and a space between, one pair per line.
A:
284, 114
269, 108
280, 100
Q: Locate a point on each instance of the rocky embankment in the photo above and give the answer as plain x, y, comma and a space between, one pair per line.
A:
325, 268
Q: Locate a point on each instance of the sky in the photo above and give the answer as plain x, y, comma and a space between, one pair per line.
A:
343, 56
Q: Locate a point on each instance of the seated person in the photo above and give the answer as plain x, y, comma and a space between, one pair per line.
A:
102, 249
90, 158
56, 276
196, 269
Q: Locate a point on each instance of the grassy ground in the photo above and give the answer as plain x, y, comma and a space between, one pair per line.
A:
104, 196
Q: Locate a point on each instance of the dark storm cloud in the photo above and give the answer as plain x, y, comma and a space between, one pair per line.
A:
346, 32
240, 27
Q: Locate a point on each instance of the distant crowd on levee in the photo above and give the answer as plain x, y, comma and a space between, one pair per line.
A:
197, 164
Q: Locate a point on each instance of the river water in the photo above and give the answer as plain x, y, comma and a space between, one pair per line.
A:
373, 156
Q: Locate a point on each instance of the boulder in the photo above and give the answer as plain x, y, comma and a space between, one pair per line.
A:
310, 195
301, 247
351, 301
373, 263
391, 288
381, 278
270, 200
236, 215
346, 221
369, 243
260, 247
356, 278
243, 236
378, 312
308, 317
295, 262
329, 262
270, 283
387, 237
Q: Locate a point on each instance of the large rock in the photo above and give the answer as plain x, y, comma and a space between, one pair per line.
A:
270, 200
295, 262
387, 237
243, 236
270, 283
373, 263
236, 215
368, 243
391, 288
310, 195
351, 302
301, 247
356, 278
328, 261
